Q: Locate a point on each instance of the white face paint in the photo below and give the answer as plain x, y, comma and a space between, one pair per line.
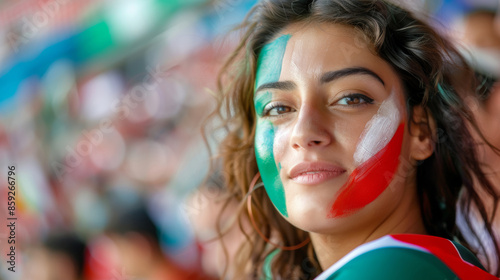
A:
379, 130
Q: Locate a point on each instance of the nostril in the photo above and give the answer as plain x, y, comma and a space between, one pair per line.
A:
316, 142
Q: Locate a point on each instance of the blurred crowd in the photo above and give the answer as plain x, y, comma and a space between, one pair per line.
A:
101, 106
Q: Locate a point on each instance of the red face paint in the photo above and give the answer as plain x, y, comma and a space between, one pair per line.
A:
369, 179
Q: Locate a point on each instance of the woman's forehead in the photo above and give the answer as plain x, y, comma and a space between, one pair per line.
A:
327, 45
307, 51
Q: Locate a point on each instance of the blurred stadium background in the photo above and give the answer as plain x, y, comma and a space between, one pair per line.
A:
101, 103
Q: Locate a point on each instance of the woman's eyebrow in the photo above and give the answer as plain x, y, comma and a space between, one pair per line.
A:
333, 75
327, 77
284, 85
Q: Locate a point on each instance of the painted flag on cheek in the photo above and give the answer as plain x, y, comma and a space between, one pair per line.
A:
377, 156
369, 179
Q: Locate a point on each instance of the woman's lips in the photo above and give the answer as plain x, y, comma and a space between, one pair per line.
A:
312, 173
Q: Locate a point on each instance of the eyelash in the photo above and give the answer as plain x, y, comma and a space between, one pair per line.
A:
366, 100
273, 106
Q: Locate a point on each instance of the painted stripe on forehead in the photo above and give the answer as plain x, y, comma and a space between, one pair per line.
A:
269, 70
270, 61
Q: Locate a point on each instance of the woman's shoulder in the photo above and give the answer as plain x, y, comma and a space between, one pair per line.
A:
407, 256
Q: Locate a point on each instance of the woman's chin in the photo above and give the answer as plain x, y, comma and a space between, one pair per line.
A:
311, 219
315, 218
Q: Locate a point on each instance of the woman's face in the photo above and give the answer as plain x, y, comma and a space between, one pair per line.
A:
331, 141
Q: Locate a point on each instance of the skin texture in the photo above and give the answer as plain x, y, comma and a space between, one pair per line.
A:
314, 123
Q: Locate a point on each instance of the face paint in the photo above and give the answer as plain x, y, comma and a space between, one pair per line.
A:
377, 154
378, 131
269, 70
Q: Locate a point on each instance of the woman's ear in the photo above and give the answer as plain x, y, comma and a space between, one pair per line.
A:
422, 134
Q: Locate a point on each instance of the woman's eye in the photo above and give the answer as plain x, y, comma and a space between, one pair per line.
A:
276, 110
354, 100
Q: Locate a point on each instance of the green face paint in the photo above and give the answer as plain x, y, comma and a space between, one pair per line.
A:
270, 61
261, 100
264, 139
269, 70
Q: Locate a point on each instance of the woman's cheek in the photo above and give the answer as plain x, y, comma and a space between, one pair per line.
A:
281, 138
268, 166
376, 159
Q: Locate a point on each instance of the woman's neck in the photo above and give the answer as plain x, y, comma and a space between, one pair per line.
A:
406, 218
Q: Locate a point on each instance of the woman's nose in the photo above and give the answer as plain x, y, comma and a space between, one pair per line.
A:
311, 128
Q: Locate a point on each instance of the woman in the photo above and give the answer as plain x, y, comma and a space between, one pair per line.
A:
345, 111
481, 47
